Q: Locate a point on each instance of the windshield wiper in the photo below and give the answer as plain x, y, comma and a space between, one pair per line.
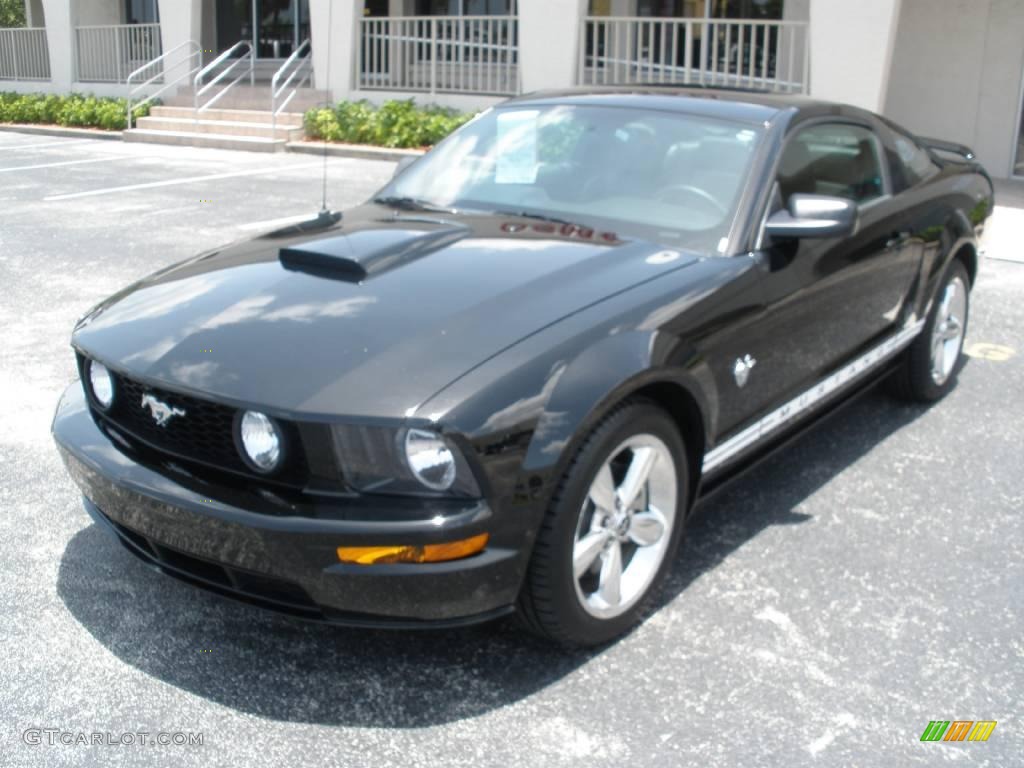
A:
538, 217
412, 204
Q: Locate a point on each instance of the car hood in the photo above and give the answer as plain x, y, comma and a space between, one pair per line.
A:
368, 317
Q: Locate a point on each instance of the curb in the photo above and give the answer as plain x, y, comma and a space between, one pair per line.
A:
357, 151
61, 131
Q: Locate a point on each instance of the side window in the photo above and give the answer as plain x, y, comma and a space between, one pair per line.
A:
834, 159
915, 162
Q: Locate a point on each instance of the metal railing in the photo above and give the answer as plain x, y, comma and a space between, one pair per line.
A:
188, 55
243, 57
298, 65
24, 54
440, 54
769, 55
109, 53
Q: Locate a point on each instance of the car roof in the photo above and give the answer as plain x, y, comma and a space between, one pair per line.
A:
748, 106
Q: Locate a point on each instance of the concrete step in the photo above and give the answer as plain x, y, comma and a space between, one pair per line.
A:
249, 97
285, 119
220, 127
210, 140
263, 71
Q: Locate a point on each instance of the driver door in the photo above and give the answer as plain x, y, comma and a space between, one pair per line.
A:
825, 300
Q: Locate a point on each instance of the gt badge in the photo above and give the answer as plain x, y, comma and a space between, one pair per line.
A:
162, 412
741, 370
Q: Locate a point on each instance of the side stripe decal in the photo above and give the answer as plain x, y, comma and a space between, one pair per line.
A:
806, 400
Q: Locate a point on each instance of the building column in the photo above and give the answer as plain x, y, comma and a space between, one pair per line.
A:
851, 50
180, 21
336, 30
60, 40
30, 20
549, 42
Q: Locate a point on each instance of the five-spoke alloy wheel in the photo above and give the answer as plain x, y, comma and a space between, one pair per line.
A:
948, 329
931, 363
614, 522
624, 526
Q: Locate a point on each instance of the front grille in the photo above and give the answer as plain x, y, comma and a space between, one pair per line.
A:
203, 435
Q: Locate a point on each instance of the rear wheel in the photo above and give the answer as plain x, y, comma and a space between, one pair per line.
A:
932, 362
614, 523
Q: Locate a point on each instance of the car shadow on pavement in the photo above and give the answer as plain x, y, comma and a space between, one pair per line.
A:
771, 493
284, 669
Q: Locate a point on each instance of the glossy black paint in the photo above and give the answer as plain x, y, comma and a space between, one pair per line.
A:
513, 337
252, 531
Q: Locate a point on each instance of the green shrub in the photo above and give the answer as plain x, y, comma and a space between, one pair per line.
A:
399, 124
76, 110
12, 13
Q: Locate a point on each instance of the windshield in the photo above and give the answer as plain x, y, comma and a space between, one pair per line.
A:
664, 176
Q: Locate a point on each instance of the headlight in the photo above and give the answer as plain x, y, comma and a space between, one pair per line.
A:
430, 459
261, 440
406, 462
101, 383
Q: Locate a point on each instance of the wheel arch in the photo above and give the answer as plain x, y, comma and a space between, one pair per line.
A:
626, 372
681, 405
966, 253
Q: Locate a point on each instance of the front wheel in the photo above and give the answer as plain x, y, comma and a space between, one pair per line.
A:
611, 530
931, 363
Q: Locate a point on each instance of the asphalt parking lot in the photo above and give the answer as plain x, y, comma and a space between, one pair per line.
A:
867, 580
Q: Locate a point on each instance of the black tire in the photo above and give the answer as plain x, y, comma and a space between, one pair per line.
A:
548, 604
913, 380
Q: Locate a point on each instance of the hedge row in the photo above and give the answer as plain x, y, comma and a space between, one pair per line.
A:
74, 110
399, 124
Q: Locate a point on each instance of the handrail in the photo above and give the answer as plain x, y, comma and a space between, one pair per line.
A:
771, 54
247, 56
195, 52
276, 92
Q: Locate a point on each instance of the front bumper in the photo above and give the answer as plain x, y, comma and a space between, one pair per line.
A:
284, 556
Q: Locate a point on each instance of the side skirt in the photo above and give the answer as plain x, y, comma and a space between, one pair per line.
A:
725, 478
776, 422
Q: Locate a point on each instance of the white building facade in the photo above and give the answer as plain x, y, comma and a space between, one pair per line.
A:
952, 69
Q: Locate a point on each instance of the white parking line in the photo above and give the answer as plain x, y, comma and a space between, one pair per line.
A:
175, 182
67, 162
65, 143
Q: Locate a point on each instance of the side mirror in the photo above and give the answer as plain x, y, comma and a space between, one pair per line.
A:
404, 163
813, 216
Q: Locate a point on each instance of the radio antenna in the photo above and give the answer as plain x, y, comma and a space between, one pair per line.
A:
326, 217
330, 30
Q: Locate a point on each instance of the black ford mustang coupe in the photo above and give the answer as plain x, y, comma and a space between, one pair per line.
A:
501, 385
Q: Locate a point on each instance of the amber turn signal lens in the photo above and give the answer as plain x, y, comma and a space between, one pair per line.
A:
427, 553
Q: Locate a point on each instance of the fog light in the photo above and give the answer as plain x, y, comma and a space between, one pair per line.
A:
427, 553
430, 459
101, 383
261, 442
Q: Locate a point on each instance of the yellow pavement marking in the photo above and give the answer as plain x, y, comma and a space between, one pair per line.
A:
995, 352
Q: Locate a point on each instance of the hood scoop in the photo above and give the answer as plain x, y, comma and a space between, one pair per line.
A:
362, 254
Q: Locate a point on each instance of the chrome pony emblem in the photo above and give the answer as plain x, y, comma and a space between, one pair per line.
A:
741, 370
162, 412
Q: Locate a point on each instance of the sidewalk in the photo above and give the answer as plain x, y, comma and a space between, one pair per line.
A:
1004, 233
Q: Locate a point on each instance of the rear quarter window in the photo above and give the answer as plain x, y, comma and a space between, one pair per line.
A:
912, 160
